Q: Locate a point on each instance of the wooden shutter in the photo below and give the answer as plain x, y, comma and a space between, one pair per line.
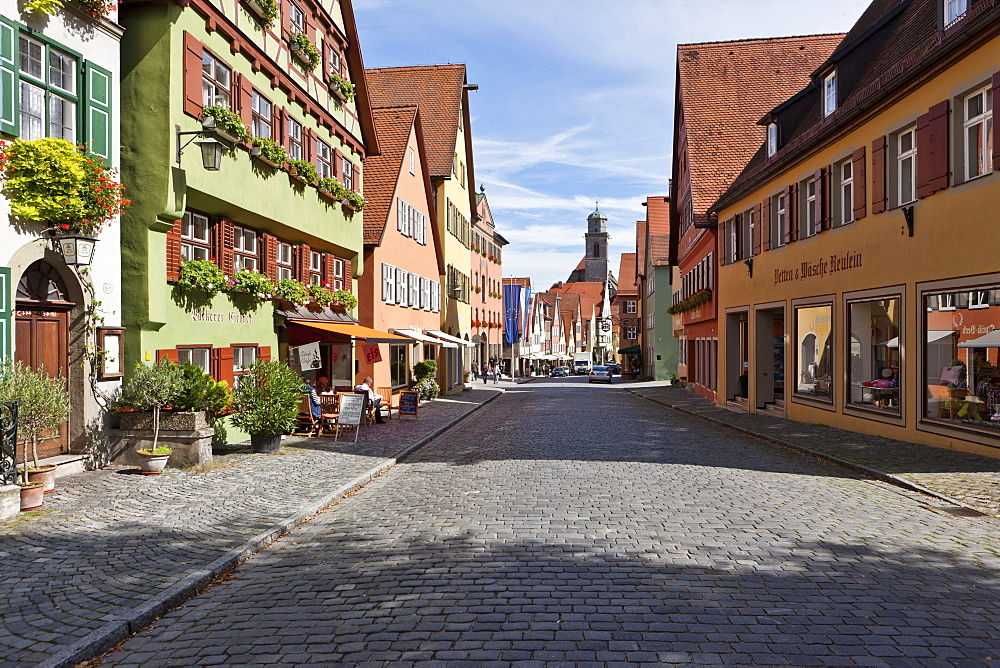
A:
766, 222
793, 212
786, 231
9, 94
174, 252
822, 203
932, 150
723, 241
169, 353
222, 365
335, 168
878, 175
97, 111
348, 276
193, 51
328, 271
308, 144
996, 121
737, 220
860, 184
757, 230
224, 244
264, 353
244, 98
279, 131
270, 256
305, 256
286, 19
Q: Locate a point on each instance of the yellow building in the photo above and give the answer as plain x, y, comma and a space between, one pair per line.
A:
859, 285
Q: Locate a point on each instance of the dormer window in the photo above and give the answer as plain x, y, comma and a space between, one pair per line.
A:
830, 93
772, 139
954, 10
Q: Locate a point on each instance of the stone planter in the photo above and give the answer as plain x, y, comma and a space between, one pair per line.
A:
189, 435
45, 475
169, 421
32, 496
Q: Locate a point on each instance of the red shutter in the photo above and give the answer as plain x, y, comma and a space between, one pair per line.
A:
820, 204
335, 167
308, 144
328, 272
286, 19
270, 257
738, 222
757, 230
932, 150
348, 276
765, 222
860, 184
305, 254
222, 363
245, 99
278, 131
174, 252
192, 75
264, 353
878, 175
793, 212
169, 353
721, 241
996, 121
224, 243
786, 232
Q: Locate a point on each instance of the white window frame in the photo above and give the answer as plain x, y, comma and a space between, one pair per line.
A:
245, 248
348, 174
324, 164
262, 115
631, 306
772, 139
809, 211
954, 10
402, 299
830, 93
284, 266
982, 123
846, 175
946, 301
910, 155
297, 18
197, 248
295, 150
339, 280
411, 160
388, 283
979, 299
414, 291
780, 215
215, 89
200, 357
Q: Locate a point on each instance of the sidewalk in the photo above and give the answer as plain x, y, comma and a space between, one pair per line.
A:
110, 551
963, 479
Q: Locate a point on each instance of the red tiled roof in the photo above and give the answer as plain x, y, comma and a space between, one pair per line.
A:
437, 89
593, 288
725, 88
658, 215
394, 125
626, 275
659, 250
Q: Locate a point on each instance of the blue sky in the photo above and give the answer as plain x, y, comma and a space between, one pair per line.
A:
575, 100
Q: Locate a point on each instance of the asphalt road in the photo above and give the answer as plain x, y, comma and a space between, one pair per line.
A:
576, 523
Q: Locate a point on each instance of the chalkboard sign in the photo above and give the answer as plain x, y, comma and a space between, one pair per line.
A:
352, 408
409, 404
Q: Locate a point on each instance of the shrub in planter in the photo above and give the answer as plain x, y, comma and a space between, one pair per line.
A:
228, 121
304, 170
425, 373
43, 405
200, 392
266, 403
292, 291
203, 276
258, 286
151, 388
269, 149
270, 11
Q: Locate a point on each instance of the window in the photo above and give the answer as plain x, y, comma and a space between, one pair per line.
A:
906, 167
47, 91
979, 299
874, 369
388, 283
348, 174
780, 217
284, 260
845, 172
296, 18
245, 248
731, 239
410, 160
261, 115
194, 237
748, 229
954, 10
631, 333
215, 81
830, 93
772, 139
196, 356
978, 133
631, 306
323, 163
315, 268
808, 209
401, 284
814, 352
294, 139
398, 367
338, 274
333, 61
243, 359
946, 302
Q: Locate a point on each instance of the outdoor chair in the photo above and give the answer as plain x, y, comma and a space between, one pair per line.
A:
305, 423
387, 399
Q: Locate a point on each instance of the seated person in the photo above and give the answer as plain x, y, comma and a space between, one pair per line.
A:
323, 384
374, 399
314, 405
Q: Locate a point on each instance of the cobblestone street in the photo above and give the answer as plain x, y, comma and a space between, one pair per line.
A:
564, 522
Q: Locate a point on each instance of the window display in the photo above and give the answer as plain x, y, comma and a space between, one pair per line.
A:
962, 357
873, 372
814, 352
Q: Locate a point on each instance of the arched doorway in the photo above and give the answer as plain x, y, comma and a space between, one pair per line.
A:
41, 333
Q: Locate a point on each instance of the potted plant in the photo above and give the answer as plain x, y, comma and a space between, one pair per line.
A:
43, 405
266, 10
341, 87
268, 151
266, 403
292, 291
258, 286
302, 170
151, 388
331, 188
353, 201
305, 51
226, 123
203, 276
425, 374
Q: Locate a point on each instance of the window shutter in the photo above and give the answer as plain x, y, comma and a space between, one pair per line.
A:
878, 175
996, 121
932, 150
308, 144
174, 252
9, 94
264, 353
286, 19
222, 363
737, 221
169, 353
279, 129
328, 272
192, 75
400, 286
97, 112
415, 290
305, 257
792, 214
860, 184
244, 99
786, 232
765, 222
224, 243
348, 276
335, 169
388, 282
822, 208
270, 257
757, 229
400, 212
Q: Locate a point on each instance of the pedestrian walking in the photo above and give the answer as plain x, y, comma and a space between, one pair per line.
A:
531, 370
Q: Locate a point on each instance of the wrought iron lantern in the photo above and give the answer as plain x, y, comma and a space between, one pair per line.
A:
77, 249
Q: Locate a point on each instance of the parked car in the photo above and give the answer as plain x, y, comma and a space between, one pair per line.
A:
614, 369
599, 374
560, 371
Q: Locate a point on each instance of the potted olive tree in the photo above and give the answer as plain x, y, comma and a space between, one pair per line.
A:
43, 405
151, 388
266, 403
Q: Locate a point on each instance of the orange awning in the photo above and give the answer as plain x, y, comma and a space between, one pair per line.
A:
354, 331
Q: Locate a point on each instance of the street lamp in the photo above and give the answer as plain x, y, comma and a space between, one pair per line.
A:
211, 148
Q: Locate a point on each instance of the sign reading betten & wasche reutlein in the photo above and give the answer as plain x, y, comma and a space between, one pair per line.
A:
821, 268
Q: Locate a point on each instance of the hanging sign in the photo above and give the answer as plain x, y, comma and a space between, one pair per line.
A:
371, 352
307, 357
409, 404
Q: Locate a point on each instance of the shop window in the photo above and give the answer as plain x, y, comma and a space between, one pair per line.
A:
874, 370
197, 356
977, 129
245, 248
905, 144
243, 359
194, 237
261, 115
294, 139
399, 370
284, 261
814, 352
215, 81
324, 165
962, 359
315, 268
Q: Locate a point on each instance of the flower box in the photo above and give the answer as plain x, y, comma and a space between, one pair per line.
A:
349, 206
222, 134
330, 197
257, 9
337, 93
267, 162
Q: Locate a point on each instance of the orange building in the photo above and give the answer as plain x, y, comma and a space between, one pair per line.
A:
401, 292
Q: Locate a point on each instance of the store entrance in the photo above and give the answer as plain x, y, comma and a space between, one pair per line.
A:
769, 359
738, 358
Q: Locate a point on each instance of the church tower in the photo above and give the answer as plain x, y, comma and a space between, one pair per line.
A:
596, 257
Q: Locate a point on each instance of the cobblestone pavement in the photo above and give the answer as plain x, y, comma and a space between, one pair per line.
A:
569, 523
971, 480
107, 544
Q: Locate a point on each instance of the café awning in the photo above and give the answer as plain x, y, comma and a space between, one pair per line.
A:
448, 337
631, 350
352, 330
414, 334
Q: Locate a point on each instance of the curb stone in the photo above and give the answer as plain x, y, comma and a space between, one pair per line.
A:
843, 463
137, 618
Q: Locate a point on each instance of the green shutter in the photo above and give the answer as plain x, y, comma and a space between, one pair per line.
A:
6, 311
9, 113
97, 111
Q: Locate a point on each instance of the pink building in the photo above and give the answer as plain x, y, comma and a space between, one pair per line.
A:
486, 270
